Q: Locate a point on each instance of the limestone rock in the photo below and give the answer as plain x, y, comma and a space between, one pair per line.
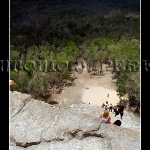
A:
35, 125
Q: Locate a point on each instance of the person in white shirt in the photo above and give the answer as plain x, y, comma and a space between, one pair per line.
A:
106, 105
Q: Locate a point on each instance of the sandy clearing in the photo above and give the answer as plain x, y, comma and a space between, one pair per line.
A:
88, 89
97, 95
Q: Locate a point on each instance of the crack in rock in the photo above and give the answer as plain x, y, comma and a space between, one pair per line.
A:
25, 145
79, 134
25, 101
92, 134
76, 134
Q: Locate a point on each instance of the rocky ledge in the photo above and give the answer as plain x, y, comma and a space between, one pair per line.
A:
36, 125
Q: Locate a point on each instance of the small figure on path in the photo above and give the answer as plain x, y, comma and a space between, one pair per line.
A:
121, 110
103, 105
106, 105
110, 107
108, 95
115, 109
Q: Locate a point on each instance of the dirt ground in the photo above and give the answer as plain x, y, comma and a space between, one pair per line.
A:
88, 89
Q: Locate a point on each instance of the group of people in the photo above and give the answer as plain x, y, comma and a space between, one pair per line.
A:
105, 118
117, 109
107, 106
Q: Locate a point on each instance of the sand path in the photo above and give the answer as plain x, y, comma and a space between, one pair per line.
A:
98, 95
97, 89
88, 89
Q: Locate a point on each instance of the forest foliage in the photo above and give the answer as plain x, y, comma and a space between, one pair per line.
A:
43, 30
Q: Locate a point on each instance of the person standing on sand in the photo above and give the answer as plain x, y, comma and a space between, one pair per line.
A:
108, 95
